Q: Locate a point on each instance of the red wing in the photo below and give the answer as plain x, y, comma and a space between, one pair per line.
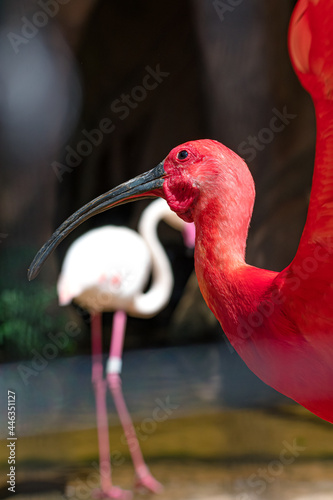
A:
307, 284
311, 52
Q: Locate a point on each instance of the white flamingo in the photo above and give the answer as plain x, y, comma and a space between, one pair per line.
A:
107, 269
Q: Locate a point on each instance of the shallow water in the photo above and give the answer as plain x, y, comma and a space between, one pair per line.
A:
228, 436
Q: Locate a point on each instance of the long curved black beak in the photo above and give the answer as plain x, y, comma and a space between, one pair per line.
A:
147, 185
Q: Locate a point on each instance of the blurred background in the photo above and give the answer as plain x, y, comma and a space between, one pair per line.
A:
147, 76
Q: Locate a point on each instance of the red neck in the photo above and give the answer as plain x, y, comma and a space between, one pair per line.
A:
231, 288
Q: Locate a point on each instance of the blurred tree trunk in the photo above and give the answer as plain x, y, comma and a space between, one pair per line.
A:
40, 98
28, 186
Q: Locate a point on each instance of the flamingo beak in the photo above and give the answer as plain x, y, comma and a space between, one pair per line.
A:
147, 185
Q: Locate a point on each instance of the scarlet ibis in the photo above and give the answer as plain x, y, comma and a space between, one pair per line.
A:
281, 324
107, 269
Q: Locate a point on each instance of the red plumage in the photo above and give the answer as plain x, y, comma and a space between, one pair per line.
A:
281, 324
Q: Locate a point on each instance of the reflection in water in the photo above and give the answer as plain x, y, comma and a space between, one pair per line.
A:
197, 378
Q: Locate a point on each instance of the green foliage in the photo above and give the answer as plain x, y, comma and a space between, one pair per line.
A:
27, 315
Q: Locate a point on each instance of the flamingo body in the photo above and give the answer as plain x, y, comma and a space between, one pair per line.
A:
104, 269
107, 268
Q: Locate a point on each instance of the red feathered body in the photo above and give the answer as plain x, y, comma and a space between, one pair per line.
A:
274, 326
281, 324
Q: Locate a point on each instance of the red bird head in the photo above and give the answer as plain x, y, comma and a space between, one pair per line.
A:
311, 46
198, 179
202, 174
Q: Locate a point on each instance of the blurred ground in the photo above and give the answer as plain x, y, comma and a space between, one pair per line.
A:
214, 483
243, 478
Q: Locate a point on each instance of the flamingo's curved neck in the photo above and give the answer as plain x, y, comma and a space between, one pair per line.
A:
157, 296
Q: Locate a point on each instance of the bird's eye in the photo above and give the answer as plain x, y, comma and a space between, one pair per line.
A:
182, 155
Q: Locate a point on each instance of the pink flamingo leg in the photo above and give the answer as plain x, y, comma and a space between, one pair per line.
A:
107, 489
144, 479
